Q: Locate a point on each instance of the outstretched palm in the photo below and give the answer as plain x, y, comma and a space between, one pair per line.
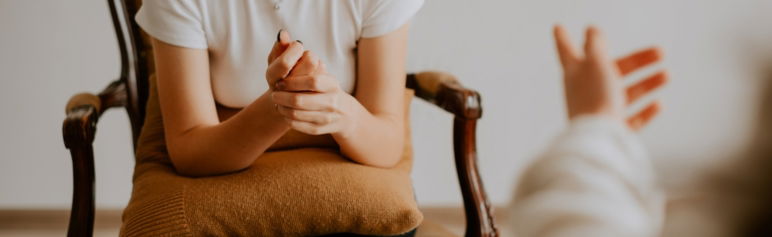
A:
593, 83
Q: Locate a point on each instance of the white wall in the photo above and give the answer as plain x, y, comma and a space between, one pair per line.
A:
50, 50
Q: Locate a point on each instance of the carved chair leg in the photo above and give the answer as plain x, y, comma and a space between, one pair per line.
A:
479, 215
82, 213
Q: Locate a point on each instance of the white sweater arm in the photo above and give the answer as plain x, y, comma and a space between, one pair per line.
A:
595, 180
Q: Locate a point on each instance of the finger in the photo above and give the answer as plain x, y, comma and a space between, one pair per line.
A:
646, 86
566, 50
309, 128
595, 44
307, 64
284, 63
638, 60
283, 41
316, 117
642, 118
305, 100
312, 83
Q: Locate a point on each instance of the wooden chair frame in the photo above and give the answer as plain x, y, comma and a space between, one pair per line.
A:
130, 91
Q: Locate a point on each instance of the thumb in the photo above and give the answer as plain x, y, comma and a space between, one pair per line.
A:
283, 41
566, 51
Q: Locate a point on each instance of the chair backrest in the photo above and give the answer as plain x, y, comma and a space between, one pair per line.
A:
137, 65
136, 59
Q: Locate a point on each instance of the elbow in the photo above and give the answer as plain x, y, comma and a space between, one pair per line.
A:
180, 159
392, 158
383, 147
187, 170
193, 156
385, 164
392, 155
194, 165
184, 164
381, 163
196, 168
184, 167
386, 159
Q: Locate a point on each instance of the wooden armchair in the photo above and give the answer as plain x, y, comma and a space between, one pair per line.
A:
130, 91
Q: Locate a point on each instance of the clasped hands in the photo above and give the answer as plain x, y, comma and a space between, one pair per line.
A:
304, 93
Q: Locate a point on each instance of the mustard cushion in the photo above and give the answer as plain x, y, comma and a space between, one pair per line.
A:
303, 186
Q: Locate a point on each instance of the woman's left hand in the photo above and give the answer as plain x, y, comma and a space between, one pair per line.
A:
311, 100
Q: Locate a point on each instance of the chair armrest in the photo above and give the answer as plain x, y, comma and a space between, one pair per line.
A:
82, 113
84, 109
79, 127
444, 90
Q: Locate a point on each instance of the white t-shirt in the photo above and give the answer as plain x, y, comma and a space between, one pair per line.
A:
239, 34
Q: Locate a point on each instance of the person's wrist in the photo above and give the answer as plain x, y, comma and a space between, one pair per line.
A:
351, 116
273, 111
599, 114
595, 121
606, 109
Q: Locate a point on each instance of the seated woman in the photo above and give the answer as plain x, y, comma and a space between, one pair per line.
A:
224, 108
595, 179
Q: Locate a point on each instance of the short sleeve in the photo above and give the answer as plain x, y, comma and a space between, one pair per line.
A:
176, 22
384, 16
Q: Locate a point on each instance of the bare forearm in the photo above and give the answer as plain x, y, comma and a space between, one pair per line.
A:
198, 142
231, 145
373, 140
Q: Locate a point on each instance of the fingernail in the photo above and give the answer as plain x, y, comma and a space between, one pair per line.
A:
278, 35
301, 42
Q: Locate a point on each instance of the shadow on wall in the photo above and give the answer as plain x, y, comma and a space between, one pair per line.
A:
746, 183
759, 222
734, 198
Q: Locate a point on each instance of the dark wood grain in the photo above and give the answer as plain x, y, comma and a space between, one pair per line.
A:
480, 220
131, 90
134, 65
78, 130
445, 91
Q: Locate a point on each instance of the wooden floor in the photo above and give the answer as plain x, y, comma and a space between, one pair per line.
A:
44, 223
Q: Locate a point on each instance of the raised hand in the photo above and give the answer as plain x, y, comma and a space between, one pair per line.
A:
311, 100
593, 82
283, 57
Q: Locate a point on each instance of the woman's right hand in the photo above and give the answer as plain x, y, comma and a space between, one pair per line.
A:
282, 59
593, 84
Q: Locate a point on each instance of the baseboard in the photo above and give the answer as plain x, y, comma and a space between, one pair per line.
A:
54, 219
110, 219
